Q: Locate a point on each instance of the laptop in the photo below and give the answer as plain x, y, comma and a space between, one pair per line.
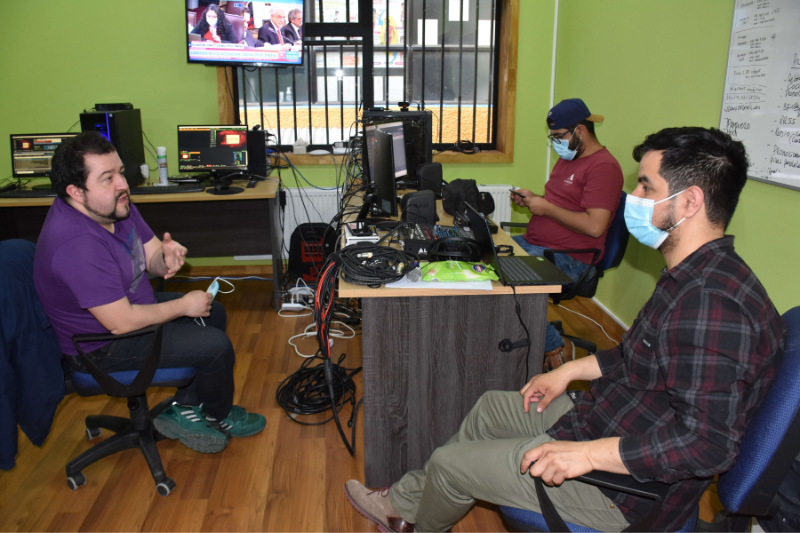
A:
513, 271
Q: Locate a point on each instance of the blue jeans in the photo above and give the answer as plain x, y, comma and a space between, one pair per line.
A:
184, 344
569, 266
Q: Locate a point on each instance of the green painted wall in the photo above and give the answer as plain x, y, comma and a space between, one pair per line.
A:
651, 65
47, 82
72, 56
645, 65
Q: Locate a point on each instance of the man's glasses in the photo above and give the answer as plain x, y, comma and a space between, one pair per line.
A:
558, 137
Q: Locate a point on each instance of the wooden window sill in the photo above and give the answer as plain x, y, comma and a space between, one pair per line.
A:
488, 156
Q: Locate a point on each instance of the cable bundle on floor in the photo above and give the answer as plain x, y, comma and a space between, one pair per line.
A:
328, 385
306, 392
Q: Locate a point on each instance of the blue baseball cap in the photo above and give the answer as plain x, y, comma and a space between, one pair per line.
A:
569, 112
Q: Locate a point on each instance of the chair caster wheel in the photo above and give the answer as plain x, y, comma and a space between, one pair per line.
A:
76, 481
165, 487
92, 433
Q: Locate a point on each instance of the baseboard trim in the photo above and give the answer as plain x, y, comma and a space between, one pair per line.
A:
612, 315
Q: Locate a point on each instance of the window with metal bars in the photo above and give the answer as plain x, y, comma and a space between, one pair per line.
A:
437, 55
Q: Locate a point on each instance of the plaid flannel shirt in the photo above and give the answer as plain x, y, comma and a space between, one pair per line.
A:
685, 380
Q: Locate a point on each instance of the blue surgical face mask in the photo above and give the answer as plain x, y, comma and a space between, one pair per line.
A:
561, 146
639, 219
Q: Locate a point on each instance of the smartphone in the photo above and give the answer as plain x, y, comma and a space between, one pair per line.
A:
513, 191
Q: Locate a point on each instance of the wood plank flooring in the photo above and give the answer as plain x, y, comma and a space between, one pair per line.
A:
287, 478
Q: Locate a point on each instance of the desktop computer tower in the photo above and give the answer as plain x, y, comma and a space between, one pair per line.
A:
124, 130
417, 132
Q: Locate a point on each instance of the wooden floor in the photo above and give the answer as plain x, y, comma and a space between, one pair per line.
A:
287, 478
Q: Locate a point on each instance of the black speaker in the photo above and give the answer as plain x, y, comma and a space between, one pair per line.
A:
429, 177
257, 153
419, 207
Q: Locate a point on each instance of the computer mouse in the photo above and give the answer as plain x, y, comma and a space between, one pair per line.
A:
220, 187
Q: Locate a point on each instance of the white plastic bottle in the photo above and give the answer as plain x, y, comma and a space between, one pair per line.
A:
163, 172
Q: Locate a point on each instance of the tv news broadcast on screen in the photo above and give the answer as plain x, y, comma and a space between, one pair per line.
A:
258, 33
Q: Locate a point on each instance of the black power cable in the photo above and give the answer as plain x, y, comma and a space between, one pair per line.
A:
306, 392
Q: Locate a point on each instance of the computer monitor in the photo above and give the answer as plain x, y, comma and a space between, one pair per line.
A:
269, 40
32, 153
395, 129
417, 136
384, 173
219, 150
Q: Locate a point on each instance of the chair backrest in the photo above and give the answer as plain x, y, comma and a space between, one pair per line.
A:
772, 438
237, 23
616, 239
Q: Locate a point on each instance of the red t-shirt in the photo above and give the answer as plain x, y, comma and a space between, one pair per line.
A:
584, 183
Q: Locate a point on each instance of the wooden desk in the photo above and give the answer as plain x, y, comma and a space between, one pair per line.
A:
427, 358
208, 225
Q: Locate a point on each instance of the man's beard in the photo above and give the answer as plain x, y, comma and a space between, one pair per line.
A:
112, 216
667, 223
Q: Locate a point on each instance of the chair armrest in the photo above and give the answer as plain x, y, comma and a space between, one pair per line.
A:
549, 254
652, 490
513, 225
146, 373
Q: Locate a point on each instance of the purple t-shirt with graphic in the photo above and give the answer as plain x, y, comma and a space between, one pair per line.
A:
79, 264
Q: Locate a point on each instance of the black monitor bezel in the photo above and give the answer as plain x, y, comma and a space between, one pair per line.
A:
38, 174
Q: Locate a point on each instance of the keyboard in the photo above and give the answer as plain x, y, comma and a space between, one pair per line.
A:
168, 189
515, 269
29, 193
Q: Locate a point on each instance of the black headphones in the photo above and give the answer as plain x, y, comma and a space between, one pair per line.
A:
455, 249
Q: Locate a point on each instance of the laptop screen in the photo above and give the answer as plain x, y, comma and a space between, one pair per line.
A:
480, 229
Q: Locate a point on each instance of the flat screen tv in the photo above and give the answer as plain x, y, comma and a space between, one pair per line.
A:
258, 34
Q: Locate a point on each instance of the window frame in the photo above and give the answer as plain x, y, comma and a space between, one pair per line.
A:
506, 99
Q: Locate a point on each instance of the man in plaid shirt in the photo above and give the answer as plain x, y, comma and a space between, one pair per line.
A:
669, 403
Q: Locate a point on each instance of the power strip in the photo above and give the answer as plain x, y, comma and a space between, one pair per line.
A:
286, 306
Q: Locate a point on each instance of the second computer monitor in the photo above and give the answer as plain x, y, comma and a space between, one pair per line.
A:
31, 154
395, 129
216, 149
383, 176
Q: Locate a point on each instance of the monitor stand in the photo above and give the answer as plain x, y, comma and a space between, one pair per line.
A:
369, 208
222, 184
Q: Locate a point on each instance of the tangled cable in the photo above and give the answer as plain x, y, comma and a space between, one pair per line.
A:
373, 265
306, 392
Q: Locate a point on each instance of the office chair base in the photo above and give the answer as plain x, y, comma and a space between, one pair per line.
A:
136, 432
589, 346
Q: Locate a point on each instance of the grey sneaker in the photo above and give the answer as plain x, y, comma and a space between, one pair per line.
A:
374, 505
190, 426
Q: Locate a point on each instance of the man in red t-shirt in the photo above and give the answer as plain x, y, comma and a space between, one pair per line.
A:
578, 205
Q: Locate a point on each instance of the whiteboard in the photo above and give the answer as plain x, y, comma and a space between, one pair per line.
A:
761, 101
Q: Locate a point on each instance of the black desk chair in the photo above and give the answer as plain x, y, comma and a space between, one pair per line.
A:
749, 489
137, 431
134, 432
586, 286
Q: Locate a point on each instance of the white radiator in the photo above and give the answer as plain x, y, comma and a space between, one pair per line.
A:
502, 202
307, 205
313, 205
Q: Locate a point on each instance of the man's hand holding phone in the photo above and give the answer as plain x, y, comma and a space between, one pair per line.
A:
520, 196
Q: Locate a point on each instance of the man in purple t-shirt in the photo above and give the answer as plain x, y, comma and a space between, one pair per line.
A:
90, 274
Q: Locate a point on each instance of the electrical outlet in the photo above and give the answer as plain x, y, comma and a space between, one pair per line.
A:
292, 307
